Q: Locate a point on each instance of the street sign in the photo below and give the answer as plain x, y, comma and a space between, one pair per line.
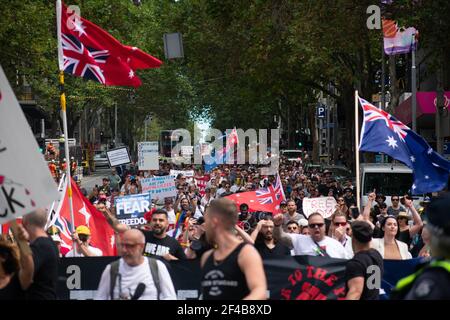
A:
321, 110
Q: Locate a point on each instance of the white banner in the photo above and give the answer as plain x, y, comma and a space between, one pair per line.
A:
148, 155
25, 180
324, 205
159, 187
186, 173
117, 157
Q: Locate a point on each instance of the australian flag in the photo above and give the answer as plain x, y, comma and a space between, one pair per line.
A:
381, 132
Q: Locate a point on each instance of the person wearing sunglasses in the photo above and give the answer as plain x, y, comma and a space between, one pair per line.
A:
395, 208
83, 248
338, 231
314, 244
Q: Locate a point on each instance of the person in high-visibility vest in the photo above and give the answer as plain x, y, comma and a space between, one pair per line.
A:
432, 280
73, 166
52, 168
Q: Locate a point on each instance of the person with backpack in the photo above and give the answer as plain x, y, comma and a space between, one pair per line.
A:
135, 277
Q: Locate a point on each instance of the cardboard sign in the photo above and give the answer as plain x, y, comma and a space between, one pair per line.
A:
324, 205
118, 157
186, 173
159, 187
148, 155
25, 180
131, 209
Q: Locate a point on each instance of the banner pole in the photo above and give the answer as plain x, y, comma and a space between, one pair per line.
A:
66, 147
358, 186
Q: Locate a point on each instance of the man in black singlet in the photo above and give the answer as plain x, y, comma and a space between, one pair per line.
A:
234, 270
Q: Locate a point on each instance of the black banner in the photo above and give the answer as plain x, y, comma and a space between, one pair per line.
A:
289, 278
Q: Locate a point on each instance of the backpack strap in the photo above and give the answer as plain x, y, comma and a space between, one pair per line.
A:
153, 264
114, 271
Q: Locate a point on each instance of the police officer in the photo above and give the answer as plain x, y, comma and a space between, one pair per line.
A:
432, 280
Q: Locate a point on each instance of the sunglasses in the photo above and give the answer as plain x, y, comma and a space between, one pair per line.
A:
394, 199
341, 200
292, 228
316, 225
342, 224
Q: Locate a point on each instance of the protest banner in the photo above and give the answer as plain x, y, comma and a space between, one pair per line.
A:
118, 156
288, 278
25, 180
324, 205
186, 173
148, 153
131, 209
159, 187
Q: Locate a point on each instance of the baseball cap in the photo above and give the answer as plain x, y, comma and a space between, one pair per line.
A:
83, 230
283, 203
303, 222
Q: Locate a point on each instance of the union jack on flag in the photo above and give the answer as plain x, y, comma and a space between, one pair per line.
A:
271, 194
83, 61
381, 132
372, 113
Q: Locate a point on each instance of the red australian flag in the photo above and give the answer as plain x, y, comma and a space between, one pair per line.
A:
85, 50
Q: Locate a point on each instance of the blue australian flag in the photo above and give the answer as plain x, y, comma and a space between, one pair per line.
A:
381, 132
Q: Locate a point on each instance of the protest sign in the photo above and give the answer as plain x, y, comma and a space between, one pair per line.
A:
118, 157
186, 173
25, 180
148, 155
159, 187
324, 205
131, 209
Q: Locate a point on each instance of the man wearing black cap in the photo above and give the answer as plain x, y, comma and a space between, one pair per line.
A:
432, 281
348, 197
365, 270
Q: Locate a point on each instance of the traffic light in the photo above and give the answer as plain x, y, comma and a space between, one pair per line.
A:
300, 144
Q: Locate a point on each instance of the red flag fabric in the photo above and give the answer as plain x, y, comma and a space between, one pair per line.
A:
264, 199
85, 50
102, 235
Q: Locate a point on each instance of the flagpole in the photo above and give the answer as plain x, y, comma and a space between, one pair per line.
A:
66, 146
413, 85
358, 186
63, 109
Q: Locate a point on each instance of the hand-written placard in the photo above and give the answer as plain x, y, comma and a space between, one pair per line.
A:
159, 187
324, 205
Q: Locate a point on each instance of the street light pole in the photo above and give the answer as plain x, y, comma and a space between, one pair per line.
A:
115, 124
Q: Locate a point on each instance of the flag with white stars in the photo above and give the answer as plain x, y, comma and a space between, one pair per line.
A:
381, 132
85, 50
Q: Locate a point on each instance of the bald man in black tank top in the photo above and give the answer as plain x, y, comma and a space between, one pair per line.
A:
234, 270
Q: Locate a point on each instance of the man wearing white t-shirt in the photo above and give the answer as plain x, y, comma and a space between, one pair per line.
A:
168, 206
315, 244
83, 248
135, 279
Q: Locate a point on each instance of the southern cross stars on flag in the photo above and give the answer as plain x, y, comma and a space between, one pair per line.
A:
381, 132
85, 50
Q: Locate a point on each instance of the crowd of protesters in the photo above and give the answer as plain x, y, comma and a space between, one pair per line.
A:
176, 227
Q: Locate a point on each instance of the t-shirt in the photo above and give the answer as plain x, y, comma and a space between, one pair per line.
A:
171, 216
358, 267
13, 290
131, 276
160, 247
95, 251
297, 217
304, 245
45, 258
394, 212
280, 250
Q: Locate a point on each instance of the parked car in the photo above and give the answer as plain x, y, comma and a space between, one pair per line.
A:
101, 160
